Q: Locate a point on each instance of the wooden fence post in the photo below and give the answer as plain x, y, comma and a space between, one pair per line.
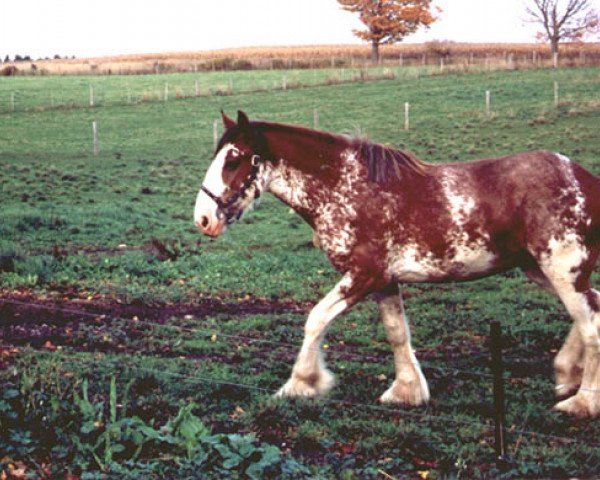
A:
215, 134
91, 96
406, 116
488, 101
556, 95
95, 142
497, 371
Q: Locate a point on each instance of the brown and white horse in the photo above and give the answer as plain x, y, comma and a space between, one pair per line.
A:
385, 218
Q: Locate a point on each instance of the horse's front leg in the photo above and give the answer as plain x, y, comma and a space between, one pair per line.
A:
410, 386
309, 376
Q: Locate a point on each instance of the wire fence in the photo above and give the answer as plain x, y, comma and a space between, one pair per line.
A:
102, 93
124, 362
103, 136
107, 141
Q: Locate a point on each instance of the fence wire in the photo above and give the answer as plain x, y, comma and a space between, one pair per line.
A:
421, 416
343, 349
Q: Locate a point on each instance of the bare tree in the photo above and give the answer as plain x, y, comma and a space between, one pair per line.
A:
563, 20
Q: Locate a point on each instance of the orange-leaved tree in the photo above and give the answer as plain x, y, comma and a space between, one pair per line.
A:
389, 21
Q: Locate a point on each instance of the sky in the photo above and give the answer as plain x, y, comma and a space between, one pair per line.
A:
83, 28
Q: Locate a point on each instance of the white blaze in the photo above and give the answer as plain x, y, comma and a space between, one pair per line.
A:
213, 182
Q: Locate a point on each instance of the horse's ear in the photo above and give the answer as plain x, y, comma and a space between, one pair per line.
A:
227, 122
242, 120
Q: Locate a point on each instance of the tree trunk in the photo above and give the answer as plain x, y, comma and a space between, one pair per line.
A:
554, 44
375, 52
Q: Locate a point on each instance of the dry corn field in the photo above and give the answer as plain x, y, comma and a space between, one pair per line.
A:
460, 55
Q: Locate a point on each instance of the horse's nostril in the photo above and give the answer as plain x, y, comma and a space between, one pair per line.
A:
204, 222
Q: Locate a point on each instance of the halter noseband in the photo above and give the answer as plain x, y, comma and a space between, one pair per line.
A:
224, 206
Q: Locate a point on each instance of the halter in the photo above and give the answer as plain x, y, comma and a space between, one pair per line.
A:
224, 206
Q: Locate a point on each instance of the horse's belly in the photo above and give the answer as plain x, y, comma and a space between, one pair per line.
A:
413, 263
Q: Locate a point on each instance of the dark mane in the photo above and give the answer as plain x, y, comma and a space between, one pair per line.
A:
385, 163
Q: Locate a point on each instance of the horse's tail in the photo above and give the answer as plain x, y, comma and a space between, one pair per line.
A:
593, 197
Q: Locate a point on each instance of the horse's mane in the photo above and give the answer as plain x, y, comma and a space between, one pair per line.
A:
384, 162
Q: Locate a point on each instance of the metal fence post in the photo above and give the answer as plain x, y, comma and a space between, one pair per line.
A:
497, 371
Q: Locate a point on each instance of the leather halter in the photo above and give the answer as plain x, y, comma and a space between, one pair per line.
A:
224, 206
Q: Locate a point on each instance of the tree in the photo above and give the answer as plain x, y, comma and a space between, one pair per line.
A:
563, 20
389, 21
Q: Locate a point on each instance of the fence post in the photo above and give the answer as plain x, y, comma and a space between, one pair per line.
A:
196, 88
406, 116
497, 371
488, 101
556, 96
215, 134
95, 137
91, 96
315, 119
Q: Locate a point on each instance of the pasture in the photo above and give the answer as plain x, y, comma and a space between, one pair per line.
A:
131, 345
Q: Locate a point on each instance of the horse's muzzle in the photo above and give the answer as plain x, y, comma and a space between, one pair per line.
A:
212, 227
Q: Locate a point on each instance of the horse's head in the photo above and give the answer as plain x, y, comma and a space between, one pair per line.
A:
236, 177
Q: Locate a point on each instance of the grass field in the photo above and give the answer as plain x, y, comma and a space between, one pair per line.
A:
132, 346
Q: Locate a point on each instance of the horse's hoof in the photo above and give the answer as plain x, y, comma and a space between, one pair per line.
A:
564, 391
412, 393
312, 386
579, 405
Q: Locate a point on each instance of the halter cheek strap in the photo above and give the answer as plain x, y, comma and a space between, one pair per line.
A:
224, 206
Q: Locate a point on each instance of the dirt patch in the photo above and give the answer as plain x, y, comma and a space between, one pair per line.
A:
30, 319
71, 304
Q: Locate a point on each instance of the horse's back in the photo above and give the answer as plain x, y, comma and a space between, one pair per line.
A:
548, 194
522, 201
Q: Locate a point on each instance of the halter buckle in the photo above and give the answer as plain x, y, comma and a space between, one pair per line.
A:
255, 160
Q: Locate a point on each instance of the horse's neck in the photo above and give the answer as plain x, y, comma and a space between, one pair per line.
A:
306, 171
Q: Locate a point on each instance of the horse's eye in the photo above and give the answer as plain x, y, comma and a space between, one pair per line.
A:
232, 165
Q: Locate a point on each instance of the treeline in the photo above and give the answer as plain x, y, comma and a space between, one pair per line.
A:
27, 58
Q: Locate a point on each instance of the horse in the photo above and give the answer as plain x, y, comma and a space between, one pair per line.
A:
385, 218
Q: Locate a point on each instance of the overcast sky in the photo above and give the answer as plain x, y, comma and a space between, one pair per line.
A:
84, 28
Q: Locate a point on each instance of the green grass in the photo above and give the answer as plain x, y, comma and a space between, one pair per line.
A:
55, 92
70, 220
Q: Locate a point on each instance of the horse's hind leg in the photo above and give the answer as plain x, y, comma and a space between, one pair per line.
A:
568, 266
586, 312
568, 364
410, 386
